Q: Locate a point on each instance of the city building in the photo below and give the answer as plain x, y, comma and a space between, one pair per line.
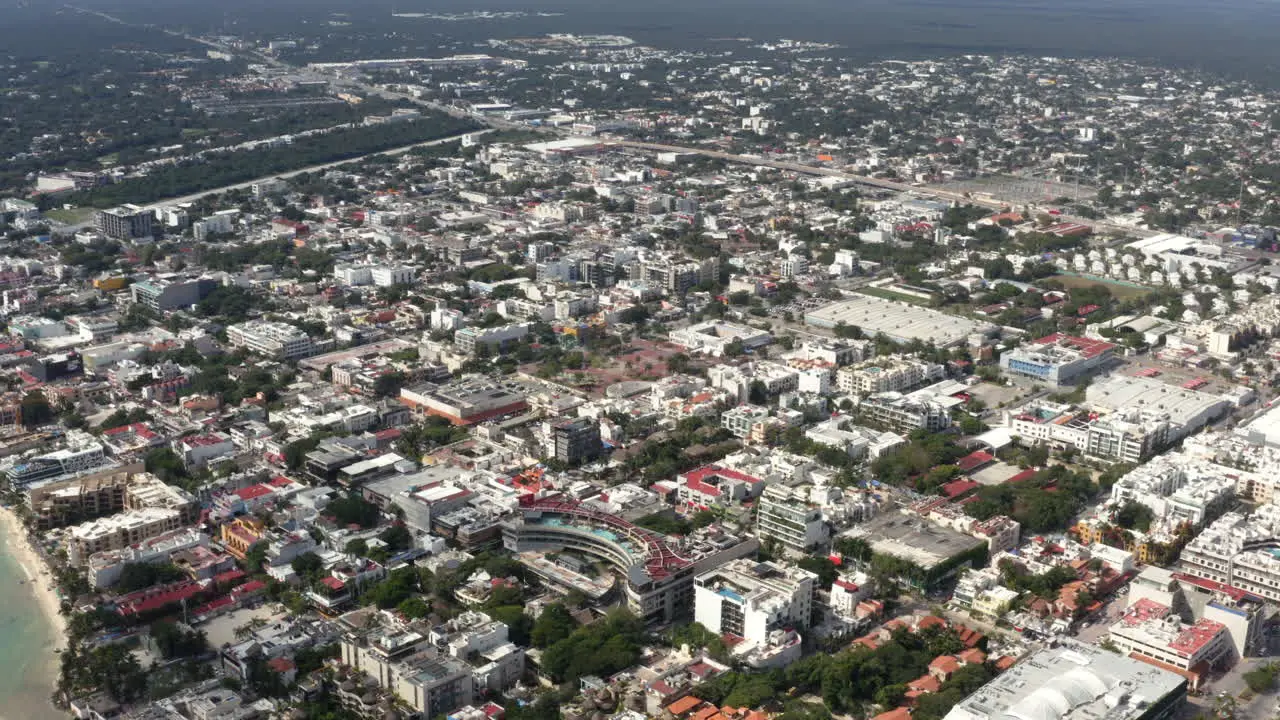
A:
1075, 681
82, 453
127, 222
1058, 359
493, 339
715, 487
905, 413
750, 599
172, 291
577, 440
406, 664
466, 401
657, 575
115, 532
1151, 630
891, 374
273, 339
933, 551
713, 337
785, 516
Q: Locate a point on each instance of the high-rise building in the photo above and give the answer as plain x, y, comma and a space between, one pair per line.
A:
170, 292
577, 440
786, 516
126, 222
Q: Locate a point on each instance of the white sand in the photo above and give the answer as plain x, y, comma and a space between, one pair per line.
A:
39, 576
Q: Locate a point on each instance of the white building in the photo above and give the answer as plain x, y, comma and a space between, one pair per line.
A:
1152, 630
713, 337
750, 599
785, 515
388, 275
1076, 681
272, 339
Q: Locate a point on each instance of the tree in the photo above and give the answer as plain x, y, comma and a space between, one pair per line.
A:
256, 557
308, 565
414, 608
357, 547
389, 384
397, 537
36, 410
174, 642
139, 576
165, 464
553, 625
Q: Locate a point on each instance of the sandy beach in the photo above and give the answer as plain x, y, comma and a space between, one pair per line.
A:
31, 646
39, 577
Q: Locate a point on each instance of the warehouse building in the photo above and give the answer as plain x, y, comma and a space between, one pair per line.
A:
900, 321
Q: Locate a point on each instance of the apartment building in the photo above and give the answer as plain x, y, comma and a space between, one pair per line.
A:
272, 339
785, 515
751, 599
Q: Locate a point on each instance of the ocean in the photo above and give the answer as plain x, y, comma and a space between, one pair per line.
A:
27, 642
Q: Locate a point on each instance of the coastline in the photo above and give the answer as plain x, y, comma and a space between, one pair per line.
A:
39, 578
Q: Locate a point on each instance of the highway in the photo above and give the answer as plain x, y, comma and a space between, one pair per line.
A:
341, 82
283, 175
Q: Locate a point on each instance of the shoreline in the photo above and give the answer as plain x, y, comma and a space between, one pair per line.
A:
39, 578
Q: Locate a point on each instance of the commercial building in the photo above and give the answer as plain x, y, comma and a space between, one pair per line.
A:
127, 222
900, 321
657, 575
466, 401
713, 337
1151, 630
905, 413
82, 453
1075, 681
272, 339
577, 440
891, 374
714, 486
388, 275
494, 339
1238, 550
934, 551
405, 663
171, 291
1126, 419
119, 531
786, 516
1058, 359
749, 599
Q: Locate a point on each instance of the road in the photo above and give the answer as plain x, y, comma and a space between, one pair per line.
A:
283, 175
500, 124
924, 190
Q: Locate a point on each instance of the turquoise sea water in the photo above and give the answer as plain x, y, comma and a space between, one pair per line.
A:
27, 660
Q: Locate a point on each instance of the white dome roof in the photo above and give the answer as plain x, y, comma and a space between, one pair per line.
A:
1056, 699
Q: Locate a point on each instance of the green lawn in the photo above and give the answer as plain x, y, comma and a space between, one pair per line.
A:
74, 216
1118, 291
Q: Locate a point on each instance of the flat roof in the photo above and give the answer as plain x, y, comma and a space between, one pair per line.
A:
914, 538
1072, 681
901, 321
